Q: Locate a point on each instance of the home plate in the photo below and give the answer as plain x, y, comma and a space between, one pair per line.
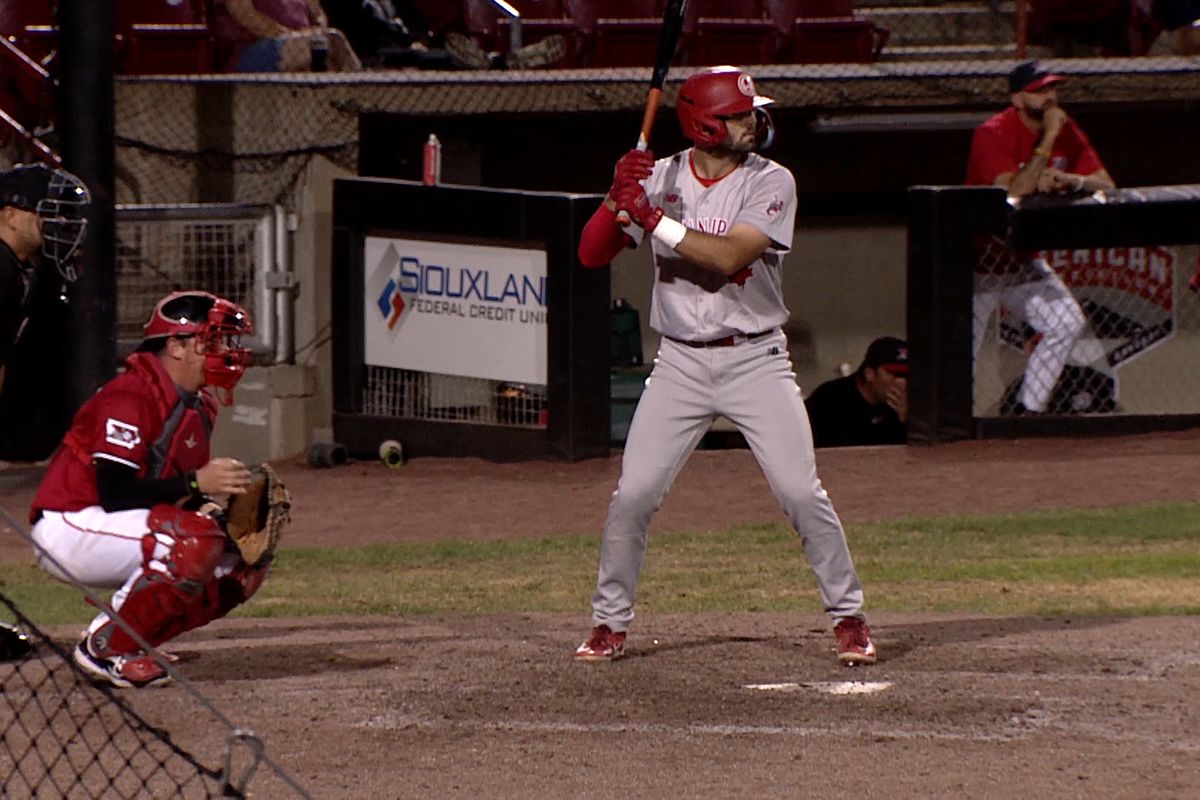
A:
827, 687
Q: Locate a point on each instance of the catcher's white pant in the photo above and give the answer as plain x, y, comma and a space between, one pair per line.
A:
103, 549
752, 385
1037, 293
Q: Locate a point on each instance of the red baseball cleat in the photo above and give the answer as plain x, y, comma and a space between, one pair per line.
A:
854, 645
604, 644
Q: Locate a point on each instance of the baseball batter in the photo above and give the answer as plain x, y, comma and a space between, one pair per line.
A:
117, 506
720, 218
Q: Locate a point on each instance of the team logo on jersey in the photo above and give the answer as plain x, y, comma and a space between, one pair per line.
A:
746, 85
122, 434
775, 206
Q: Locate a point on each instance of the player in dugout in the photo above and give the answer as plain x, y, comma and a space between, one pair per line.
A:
868, 407
1032, 147
720, 218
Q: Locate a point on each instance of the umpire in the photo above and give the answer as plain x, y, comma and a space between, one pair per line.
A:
41, 226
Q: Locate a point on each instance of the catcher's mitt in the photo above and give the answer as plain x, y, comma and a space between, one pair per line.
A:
255, 520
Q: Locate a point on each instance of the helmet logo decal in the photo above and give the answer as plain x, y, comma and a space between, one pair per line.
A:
745, 84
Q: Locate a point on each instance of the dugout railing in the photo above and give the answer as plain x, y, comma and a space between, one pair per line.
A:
1129, 257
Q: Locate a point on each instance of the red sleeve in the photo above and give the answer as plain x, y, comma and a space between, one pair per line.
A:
1084, 158
601, 239
121, 429
991, 156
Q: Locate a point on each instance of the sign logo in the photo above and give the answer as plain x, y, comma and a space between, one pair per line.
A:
746, 85
391, 303
122, 434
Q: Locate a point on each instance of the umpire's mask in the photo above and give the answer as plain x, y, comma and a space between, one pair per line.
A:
63, 213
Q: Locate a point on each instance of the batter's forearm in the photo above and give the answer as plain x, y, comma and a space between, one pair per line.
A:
717, 253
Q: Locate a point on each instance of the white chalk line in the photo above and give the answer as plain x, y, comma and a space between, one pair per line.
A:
401, 721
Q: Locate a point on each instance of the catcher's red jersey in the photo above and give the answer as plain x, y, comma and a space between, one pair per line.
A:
124, 423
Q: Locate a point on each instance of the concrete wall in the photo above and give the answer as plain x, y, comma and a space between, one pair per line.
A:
844, 283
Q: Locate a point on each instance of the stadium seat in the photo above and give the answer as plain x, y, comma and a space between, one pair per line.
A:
18, 17
726, 33
824, 32
160, 49
625, 33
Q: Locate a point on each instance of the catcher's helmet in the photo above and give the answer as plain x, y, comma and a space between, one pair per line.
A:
708, 98
60, 199
217, 322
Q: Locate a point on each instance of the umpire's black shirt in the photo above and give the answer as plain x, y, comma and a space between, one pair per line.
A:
16, 290
842, 417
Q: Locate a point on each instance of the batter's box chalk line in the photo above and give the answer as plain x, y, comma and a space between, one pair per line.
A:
825, 687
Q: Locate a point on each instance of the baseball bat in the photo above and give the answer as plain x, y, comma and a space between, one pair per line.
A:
667, 41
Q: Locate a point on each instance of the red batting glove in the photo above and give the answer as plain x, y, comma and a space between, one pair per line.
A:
634, 166
632, 200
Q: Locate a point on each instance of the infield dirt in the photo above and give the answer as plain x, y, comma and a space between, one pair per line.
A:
492, 705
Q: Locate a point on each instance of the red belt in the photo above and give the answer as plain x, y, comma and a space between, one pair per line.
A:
724, 341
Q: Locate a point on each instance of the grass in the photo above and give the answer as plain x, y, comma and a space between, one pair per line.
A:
1124, 561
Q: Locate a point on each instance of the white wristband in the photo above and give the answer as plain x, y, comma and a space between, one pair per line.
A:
669, 232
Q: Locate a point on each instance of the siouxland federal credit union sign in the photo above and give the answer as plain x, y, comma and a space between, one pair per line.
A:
475, 311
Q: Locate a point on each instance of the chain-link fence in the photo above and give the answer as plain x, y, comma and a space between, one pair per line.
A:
230, 250
63, 734
1056, 331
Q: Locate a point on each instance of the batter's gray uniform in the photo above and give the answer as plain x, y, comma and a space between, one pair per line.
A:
750, 382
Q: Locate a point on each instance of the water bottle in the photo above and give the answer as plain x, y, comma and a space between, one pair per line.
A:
320, 52
432, 173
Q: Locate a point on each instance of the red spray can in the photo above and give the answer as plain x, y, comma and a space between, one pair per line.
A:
432, 174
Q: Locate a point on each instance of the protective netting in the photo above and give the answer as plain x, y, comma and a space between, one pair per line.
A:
1086, 330
248, 138
63, 736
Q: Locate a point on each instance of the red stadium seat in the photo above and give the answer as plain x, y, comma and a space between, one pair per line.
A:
152, 49
833, 40
824, 32
625, 33
727, 33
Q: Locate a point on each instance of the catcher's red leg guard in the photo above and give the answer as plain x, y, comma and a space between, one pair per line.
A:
222, 595
161, 602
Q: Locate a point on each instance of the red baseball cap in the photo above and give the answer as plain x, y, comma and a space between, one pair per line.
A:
1031, 76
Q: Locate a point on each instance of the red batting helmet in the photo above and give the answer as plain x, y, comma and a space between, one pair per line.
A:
708, 98
218, 323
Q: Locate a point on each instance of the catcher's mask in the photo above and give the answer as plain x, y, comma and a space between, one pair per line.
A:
708, 98
60, 200
217, 323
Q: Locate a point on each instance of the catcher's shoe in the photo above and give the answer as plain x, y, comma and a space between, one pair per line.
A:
126, 672
854, 645
604, 644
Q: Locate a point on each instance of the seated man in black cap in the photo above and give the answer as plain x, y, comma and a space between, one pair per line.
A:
41, 223
868, 407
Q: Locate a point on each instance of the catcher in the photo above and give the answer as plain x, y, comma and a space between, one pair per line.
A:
131, 499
